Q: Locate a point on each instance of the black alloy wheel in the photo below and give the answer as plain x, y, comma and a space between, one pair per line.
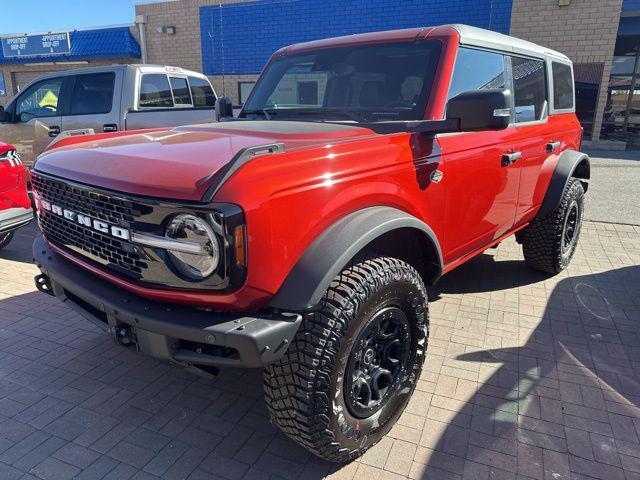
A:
377, 361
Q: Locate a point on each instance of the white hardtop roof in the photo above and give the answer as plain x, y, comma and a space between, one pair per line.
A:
480, 37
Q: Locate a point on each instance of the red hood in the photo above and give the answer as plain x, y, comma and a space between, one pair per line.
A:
179, 163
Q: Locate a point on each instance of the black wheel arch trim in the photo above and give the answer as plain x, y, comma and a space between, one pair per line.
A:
570, 164
332, 250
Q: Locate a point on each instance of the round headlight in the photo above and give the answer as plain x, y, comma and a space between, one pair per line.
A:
195, 231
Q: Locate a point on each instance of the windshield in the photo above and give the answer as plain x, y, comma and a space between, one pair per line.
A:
365, 83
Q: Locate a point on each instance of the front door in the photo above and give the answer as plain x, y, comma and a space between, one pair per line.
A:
481, 169
36, 119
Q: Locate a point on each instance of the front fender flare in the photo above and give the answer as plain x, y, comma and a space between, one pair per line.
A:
331, 251
570, 164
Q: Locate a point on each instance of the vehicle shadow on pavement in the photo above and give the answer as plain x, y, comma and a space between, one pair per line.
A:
19, 250
484, 273
565, 402
100, 407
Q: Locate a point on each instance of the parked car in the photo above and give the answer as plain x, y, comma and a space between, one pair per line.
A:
618, 118
302, 236
15, 205
104, 99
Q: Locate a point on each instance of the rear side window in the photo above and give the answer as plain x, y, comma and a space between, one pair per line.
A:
529, 89
180, 87
202, 92
92, 94
562, 86
477, 70
155, 91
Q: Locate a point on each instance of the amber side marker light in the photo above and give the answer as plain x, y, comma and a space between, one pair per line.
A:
239, 242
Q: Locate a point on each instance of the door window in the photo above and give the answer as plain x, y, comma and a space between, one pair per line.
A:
202, 92
530, 89
562, 86
40, 100
180, 87
477, 70
155, 91
92, 94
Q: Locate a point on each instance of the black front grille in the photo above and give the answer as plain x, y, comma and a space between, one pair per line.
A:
109, 251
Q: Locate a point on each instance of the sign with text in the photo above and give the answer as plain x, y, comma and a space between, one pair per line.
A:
33, 45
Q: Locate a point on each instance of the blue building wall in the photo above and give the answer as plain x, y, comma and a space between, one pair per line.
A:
250, 32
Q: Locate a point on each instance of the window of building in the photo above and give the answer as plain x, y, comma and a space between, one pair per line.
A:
308, 93
40, 100
155, 91
92, 94
477, 70
202, 92
529, 89
562, 86
180, 87
244, 89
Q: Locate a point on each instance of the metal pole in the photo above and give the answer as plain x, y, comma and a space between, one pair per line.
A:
141, 21
632, 89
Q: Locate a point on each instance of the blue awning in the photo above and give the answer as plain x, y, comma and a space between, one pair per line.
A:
113, 42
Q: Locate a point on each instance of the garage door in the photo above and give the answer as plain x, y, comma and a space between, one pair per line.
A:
21, 79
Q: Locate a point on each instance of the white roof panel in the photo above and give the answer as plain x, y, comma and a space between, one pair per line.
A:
486, 38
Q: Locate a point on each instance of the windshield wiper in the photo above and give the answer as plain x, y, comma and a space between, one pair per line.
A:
324, 112
266, 112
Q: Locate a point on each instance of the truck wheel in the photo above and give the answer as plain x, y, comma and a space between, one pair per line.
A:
354, 363
549, 243
5, 238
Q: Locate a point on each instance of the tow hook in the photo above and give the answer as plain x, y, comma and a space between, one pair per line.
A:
43, 284
122, 335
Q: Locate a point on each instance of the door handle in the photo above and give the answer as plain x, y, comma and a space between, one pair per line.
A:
510, 158
553, 146
54, 131
109, 127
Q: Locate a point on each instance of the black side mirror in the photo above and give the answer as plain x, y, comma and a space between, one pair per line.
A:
479, 110
224, 108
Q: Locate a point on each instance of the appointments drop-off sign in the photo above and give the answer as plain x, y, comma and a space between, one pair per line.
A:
35, 45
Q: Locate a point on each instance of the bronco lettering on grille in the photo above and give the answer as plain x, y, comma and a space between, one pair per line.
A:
86, 221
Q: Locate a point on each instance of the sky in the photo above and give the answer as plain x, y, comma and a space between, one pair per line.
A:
24, 16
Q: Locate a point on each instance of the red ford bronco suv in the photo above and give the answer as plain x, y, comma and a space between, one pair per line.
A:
15, 205
302, 236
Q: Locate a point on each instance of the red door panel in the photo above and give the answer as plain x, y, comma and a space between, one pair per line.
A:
481, 192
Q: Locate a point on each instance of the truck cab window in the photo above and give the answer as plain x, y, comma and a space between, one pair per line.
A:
477, 70
92, 94
529, 89
202, 93
180, 87
40, 100
155, 91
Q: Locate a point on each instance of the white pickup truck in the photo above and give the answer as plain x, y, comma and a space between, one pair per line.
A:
104, 99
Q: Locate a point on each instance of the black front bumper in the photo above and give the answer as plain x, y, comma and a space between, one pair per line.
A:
176, 333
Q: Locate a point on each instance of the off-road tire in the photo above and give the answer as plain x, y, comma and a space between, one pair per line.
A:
305, 391
5, 238
542, 240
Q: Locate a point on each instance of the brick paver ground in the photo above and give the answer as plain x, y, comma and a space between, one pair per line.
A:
527, 377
